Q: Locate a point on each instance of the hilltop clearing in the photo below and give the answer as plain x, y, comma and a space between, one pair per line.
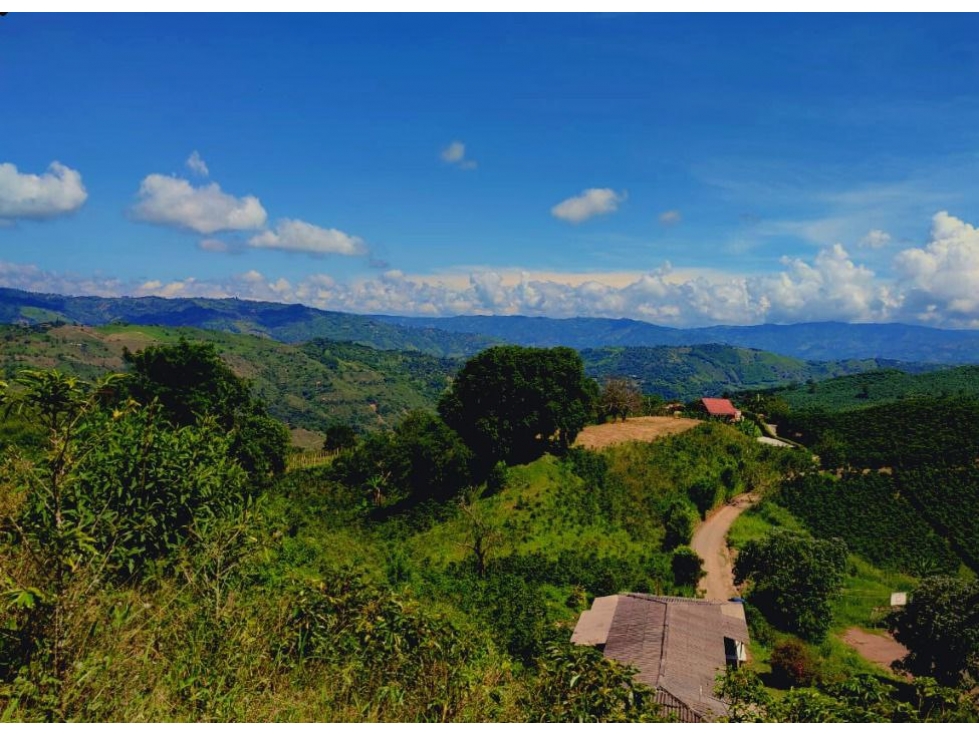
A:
643, 428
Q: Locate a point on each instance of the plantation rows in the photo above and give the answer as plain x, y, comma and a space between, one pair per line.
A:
949, 499
908, 434
875, 519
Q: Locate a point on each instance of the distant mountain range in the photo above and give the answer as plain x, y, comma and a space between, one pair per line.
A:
465, 335
812, 341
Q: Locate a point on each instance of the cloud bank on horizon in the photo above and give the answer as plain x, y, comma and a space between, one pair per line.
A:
936, 286
731, 181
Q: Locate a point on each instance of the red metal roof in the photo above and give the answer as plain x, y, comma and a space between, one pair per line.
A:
719, 406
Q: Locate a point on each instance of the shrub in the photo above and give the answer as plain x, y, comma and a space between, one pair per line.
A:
792, 664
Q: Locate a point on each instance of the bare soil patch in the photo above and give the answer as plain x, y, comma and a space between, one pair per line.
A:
643, 428
877, 648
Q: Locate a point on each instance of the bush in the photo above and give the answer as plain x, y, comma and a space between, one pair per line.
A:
687, 566
792, 664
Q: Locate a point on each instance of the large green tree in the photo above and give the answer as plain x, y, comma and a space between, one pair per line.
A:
513, 404
792, 578
190, 381
940, 627
422, 460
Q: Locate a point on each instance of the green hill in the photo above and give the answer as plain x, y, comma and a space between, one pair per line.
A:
878, 387
291, 323
686, 373
309, 385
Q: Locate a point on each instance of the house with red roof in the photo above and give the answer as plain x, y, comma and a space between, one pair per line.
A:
721, 408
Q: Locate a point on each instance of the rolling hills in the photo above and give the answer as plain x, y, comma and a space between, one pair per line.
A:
315, 383
465, 335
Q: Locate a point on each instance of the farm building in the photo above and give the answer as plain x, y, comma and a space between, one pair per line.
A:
678, 645
720, 408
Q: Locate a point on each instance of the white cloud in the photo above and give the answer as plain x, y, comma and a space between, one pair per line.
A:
875, 239
295, 235
455, 153
206, 210
935, 284
588, 204
197, 165
670, 217
941, 278
833, 287
29, 196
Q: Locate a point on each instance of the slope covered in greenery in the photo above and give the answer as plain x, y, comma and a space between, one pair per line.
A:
687, 373
311, 385
289, 323
875, 387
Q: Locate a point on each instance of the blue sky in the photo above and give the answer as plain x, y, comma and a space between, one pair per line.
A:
681, 169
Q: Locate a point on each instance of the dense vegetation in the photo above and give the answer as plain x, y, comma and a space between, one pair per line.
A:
874, 517
156, 563
310, 386
688, 373
875, 387
905, 434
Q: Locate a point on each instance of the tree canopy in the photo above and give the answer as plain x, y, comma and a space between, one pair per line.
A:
940, 626
514, 404
793, 577
619, 398
189, 381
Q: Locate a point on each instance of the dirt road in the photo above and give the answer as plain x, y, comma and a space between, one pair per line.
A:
877, 648
710, 542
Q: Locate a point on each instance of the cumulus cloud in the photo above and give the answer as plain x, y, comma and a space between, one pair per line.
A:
589, 203
833, 287
940, 279
30, 196
935, 284
175, 202
670, 217
455, 154
196, 164
295, 235
875, 239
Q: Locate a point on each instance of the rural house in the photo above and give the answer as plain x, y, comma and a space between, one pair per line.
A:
678, 645
721, 408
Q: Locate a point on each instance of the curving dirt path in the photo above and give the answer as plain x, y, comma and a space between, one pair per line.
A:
710, 542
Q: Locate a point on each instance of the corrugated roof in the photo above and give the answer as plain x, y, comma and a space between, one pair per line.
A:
719, 406
676, 643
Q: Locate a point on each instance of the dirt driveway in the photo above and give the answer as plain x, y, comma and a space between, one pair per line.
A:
643, 428
710, 542
881, 648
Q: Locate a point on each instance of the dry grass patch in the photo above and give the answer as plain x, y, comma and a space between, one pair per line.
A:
644, 428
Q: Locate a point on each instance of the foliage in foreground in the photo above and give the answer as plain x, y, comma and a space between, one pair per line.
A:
858, 699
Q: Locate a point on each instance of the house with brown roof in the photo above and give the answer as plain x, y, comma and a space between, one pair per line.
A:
678, 645
721, 408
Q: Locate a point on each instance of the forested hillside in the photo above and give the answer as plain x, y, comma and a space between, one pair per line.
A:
312, 385
875, 387
159, 563
688, 373
290, 323
465, 335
